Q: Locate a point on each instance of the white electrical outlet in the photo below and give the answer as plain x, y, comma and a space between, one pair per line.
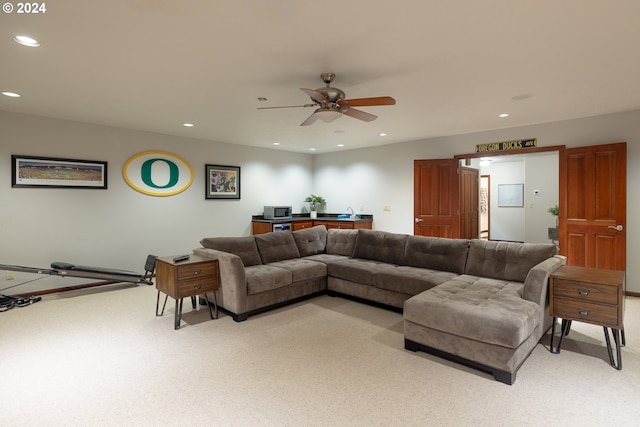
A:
386, 208
361, 208
9, 275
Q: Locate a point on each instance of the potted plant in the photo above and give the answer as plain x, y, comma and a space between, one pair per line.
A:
554, 211
315, 202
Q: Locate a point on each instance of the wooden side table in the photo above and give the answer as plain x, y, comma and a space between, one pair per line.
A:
589, 295
194, 276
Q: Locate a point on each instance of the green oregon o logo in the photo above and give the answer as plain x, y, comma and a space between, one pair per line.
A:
158, 173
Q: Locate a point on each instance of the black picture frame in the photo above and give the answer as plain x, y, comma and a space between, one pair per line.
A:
53, 172
222, 182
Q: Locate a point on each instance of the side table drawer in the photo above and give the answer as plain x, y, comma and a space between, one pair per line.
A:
194, 287
584, 311
194, 271
585, 291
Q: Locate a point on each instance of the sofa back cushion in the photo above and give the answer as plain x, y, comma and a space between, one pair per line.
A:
341, 241
244, 247
380, 246
437, 253
276, 246
506, 260
311, 241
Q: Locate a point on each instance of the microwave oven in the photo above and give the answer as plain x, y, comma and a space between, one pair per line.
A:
277, 212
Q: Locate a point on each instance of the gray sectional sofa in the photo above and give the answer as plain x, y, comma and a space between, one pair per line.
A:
477, 302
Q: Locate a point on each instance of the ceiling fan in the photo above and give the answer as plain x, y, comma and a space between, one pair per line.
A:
332, 104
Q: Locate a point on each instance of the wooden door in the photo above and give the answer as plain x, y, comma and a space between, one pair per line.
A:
593, 206
436, 200
469, 203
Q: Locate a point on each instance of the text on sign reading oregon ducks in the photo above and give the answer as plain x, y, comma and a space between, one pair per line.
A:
507, 145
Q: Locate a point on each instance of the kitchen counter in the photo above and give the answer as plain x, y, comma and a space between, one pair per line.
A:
300, 221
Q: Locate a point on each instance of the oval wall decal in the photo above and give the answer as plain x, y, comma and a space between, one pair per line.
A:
158, 173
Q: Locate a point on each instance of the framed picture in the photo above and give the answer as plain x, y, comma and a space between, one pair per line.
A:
29, 171
511, 195
222, 182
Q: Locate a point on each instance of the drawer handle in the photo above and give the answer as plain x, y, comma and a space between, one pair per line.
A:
584, 292
197, 287
583, 312
196, 272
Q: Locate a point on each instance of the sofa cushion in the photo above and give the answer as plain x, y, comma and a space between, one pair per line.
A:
409, 280
244, 247
380, 246
356, 270
263, 278
437, 253
311, 241
341, 242
276, 246
302, 268
481, 309
506, 260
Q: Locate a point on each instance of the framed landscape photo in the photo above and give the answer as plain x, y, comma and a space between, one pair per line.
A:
30, 171
222, 182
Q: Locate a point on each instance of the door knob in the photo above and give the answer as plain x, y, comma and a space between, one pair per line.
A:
618, 227
418, 220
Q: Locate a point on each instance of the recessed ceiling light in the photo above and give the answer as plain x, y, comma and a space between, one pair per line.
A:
188, 125
26, 41
382, 134
340, 145
312, 149
503, 115
11, 94
275, 143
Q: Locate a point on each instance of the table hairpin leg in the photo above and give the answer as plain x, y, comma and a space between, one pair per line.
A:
158, 304
215, 303
564, 330
617, 340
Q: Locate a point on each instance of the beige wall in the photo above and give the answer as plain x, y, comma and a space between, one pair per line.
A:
384, 175
119, 227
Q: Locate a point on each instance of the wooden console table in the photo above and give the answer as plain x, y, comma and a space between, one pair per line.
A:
589, 295
194, 276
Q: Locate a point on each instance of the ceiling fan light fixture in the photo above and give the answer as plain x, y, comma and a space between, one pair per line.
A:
327, 114
26, 41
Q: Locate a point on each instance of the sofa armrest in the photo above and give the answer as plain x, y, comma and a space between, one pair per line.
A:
536, 283
232, 294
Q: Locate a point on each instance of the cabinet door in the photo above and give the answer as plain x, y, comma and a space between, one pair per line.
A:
299, 225
261, 227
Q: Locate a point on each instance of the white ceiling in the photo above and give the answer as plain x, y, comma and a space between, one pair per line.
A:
452, 66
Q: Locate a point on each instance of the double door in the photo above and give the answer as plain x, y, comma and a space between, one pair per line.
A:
592, 203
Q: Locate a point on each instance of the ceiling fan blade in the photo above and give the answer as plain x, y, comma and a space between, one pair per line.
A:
360, 115
287, 106
315, 95
369, 102
310, 120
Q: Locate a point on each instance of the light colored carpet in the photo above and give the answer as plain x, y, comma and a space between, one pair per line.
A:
102, 357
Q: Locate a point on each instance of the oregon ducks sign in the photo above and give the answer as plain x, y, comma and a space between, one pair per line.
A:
158, 173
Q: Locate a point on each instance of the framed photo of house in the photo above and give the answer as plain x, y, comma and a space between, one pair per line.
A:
222, 182
30, 171
511, 195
